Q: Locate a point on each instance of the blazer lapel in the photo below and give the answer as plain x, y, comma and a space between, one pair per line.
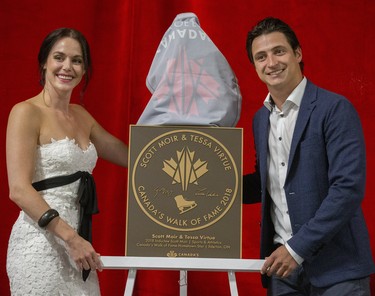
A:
262, 149
307, 106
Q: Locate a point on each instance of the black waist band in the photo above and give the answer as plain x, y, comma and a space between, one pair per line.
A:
86, 197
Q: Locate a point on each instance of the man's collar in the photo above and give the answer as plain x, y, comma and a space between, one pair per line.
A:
295, 96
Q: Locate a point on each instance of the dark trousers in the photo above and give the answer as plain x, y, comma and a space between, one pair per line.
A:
297, 284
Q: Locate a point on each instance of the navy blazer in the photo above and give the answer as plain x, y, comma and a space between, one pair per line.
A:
324, 187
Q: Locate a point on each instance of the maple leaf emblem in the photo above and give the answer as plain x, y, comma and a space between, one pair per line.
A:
185, 170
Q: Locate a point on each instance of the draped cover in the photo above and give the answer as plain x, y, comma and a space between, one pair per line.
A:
190, 80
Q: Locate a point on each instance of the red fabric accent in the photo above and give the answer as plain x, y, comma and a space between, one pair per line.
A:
337, 40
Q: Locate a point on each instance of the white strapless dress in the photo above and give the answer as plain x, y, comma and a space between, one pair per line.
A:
37, 261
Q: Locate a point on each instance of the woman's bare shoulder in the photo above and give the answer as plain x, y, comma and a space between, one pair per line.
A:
26, 108
77, 108
81, 111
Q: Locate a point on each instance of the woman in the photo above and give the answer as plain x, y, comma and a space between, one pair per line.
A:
47, 137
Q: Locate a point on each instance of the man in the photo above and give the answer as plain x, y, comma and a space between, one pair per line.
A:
310, 176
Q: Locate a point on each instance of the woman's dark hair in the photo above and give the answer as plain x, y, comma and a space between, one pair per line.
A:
50, 41
269, 25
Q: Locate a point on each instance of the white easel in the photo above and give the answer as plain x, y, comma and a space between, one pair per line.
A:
182, 264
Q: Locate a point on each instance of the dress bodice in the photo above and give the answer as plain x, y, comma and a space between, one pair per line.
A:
60, 158
63, 157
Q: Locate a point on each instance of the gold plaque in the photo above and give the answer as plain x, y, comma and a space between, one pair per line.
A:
185, 188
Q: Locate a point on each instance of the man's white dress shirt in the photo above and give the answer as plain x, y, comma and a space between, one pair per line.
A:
282, 123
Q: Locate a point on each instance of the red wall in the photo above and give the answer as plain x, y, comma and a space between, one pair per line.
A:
336, 36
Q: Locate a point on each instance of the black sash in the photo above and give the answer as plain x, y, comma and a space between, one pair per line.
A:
86, 197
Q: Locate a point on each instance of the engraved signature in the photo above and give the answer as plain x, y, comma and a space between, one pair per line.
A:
206, 193
163, 192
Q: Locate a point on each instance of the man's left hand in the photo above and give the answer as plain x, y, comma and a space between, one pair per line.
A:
279, 263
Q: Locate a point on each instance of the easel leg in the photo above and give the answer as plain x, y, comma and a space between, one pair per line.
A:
232, 283
183, 282
132, 273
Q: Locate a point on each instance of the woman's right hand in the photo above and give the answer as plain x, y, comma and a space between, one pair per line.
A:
83, 253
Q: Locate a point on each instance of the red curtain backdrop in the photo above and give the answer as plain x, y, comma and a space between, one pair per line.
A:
337, 40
